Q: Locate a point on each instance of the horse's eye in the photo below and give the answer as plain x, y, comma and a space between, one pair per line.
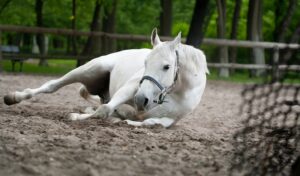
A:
166, 67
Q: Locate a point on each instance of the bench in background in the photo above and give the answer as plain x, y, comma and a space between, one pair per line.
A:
12, 49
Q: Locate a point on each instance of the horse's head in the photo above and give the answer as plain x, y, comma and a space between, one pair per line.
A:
161, 71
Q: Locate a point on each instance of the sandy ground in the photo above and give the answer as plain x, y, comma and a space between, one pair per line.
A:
37, 139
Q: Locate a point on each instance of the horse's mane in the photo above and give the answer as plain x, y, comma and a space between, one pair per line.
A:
193, 59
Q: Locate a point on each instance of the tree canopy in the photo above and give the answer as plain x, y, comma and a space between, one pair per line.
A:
140, 17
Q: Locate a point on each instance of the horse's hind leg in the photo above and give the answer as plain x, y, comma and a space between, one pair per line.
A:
123, 95
48, 87
84, 93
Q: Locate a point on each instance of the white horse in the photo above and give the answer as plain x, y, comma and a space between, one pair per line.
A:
142, 86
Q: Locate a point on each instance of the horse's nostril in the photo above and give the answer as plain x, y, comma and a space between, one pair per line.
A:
146, 102
141, 101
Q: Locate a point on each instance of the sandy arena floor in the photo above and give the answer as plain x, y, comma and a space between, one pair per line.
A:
36, 138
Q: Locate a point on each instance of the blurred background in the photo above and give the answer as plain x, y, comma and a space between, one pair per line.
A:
54, 36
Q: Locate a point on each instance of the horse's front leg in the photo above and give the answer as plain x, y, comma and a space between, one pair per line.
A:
165, 115
123, 95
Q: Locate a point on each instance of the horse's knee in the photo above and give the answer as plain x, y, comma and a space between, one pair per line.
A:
10, 99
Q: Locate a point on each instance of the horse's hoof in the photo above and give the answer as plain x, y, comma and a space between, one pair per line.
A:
10, 99
72, 116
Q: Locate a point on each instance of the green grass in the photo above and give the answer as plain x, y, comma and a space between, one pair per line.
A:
242, 76
239, 78
61, 66
236, 77
55, 67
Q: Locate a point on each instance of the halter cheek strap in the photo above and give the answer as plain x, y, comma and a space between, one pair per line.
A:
152, 80
163, 90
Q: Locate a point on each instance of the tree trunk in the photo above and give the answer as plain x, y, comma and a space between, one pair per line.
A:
166, 17
254, 32
69, 45
74, 44
197, 27
281, 25
223, 52
234, 29
109, 44
93, 44
40, 37
73, 26
27, 39
283, 18
294, 39
0, 51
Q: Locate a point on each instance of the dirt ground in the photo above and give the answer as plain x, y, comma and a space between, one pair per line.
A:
36, 138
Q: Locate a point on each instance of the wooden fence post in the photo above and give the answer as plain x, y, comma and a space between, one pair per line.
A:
1, 52
275, 69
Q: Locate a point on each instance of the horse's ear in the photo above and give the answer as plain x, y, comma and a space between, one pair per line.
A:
176, 41
154, 38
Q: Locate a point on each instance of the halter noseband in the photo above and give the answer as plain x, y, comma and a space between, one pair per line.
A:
163, 90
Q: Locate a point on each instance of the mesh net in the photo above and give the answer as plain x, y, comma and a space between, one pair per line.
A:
268, 142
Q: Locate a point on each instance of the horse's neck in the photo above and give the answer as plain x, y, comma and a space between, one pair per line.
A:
193, 68
187, 81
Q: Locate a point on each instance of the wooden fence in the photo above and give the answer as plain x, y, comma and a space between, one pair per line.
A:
128, 37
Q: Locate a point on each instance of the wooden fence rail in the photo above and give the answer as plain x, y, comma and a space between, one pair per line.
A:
212, 65
253, 66
207, 41
143, 38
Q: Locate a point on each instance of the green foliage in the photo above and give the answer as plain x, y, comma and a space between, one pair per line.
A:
180, 27
182, 16
56, 67
18, 12
137, 17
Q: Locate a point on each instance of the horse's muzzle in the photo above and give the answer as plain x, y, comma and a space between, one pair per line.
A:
141, 101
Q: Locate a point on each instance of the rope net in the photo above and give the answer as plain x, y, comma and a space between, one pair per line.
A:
268, 142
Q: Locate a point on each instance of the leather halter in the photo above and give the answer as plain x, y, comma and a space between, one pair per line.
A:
163, 90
